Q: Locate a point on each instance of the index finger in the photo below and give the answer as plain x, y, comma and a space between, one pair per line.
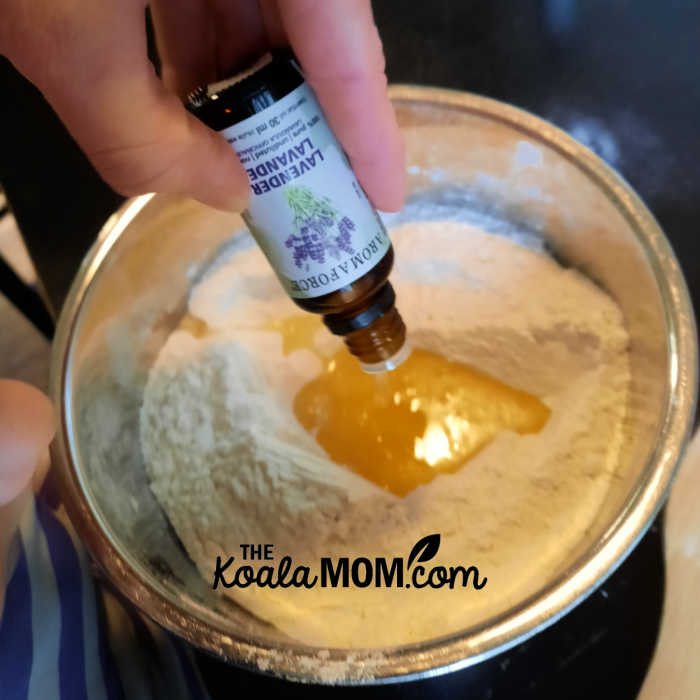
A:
338, 46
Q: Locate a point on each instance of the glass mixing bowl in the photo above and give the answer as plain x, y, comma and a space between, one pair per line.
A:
471, 156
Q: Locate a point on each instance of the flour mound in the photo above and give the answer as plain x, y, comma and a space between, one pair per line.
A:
230, 464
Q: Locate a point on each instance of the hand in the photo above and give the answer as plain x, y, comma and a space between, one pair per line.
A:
26, 428
89, 59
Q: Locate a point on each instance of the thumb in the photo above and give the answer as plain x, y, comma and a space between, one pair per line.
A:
139, 137
26, 428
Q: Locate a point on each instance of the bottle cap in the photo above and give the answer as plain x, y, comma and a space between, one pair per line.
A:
227, 102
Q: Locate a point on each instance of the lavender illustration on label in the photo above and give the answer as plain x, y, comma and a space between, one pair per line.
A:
318, 229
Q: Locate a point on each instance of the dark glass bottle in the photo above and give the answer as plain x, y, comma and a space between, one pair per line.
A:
308, 213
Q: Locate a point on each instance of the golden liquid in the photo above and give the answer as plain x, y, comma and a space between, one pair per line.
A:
297, 331
193, 325
402, 428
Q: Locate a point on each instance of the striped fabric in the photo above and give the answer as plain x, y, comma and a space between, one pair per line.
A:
64, 638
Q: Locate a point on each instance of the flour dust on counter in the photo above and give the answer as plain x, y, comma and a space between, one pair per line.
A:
233, 436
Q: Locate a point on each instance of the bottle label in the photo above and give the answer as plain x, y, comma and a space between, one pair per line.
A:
307, 211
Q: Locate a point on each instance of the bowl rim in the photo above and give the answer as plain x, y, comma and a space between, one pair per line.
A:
475, 644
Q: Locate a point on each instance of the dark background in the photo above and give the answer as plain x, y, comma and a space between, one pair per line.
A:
623, 76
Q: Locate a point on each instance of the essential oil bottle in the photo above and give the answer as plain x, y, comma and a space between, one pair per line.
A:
307, 210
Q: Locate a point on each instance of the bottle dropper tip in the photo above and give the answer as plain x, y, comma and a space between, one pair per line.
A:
389, 363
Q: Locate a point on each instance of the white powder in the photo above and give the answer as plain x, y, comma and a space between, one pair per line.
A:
230, 464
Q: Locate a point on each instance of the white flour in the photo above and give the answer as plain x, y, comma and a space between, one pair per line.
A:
230, 464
